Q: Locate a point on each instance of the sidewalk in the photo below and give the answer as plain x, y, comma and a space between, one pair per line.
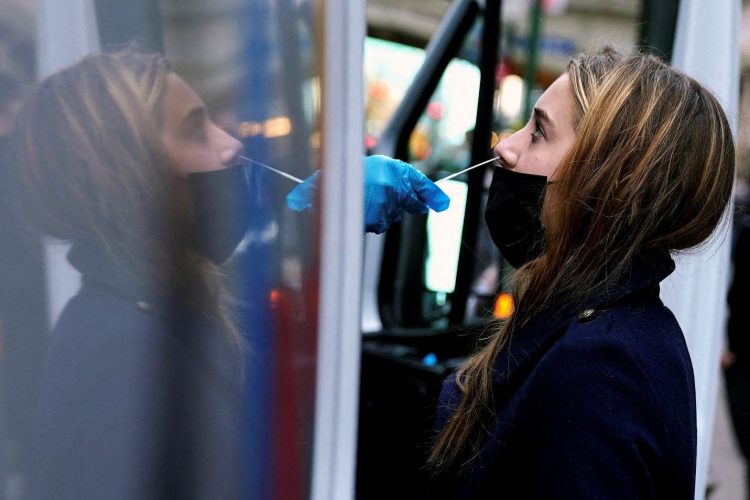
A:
726, 471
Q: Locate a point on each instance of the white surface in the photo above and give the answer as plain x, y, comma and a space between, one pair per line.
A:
67, 32
371, 321
707, 48
335, 438
444, 232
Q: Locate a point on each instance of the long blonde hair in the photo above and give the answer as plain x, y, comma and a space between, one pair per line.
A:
651, 169
92, 167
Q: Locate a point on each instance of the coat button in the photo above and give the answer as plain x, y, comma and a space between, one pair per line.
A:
586, 316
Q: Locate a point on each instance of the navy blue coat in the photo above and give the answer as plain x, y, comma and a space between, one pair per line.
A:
138, 398
589, 403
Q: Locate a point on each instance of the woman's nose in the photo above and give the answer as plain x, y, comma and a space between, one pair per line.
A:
229, 148
507, 150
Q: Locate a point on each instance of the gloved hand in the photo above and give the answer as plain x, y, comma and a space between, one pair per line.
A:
391, 186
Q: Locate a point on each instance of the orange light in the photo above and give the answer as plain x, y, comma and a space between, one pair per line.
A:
503, 306
315, 140
379, 90
277, 126
494, 140
250, 129
274, 297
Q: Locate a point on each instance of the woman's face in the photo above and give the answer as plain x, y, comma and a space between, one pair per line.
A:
193, 142
538, 148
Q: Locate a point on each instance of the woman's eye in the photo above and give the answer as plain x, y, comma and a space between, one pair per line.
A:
200, 134
538, 132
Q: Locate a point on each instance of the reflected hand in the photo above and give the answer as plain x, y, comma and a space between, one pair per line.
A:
391, 187
302, 197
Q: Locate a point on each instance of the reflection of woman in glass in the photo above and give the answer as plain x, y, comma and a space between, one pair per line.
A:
587, 391
118, 155
139, 397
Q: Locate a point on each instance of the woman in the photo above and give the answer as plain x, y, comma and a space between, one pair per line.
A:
587, 391
140, 392
117, 155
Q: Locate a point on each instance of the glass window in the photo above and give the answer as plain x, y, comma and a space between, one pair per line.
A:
170, 347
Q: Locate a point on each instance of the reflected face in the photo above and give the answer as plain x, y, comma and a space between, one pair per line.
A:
193, 142
538, 148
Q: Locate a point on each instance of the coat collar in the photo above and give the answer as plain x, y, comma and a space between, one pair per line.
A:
104, 272
530, 342
101, 269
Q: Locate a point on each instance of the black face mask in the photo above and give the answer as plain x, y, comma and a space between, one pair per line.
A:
220, 211
514, 215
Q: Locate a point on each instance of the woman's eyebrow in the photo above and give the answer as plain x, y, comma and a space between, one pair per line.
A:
542, 115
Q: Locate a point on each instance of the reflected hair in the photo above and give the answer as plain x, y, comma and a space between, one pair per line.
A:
650, 171
91, 167
88, 142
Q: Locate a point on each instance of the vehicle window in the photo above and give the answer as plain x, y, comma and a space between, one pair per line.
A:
390, 68
440, 137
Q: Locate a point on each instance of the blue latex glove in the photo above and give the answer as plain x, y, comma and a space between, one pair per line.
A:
391, 187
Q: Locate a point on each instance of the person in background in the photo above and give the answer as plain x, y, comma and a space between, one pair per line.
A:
735, 360
587, 390
141, 386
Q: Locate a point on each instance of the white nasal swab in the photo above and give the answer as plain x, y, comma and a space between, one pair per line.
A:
466, 170
299, 181
283, 174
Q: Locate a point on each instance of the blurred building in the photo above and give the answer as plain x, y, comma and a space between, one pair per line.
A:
569, 26
743, 133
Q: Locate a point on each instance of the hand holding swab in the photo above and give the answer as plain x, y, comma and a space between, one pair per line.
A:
391, 188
